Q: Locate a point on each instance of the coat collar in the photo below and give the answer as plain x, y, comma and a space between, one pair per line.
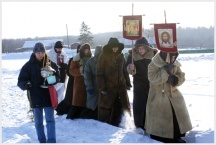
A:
76, 57
148, 54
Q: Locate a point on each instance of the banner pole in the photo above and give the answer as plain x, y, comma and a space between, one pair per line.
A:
132, 44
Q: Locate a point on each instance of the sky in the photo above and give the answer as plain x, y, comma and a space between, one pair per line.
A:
38, 19
198, 92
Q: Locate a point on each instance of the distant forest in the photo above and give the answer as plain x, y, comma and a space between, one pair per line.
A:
200, 37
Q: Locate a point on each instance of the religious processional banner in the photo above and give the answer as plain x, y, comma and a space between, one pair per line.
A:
165, 37
132, 27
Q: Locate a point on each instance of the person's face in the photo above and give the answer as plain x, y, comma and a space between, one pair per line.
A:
39, 55
115, 49
58, 50
165, 37
173, 58
86, 51
141, 50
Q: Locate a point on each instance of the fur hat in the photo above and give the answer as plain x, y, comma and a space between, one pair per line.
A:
39, 47
58, 44
113, 42
142, 42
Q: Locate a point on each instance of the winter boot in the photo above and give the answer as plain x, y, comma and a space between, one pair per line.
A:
140, 131
180, 141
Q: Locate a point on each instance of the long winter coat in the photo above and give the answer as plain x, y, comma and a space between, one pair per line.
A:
140, 83
64, 106
112, 77
31, 71
79, 88
91, 82
162, 97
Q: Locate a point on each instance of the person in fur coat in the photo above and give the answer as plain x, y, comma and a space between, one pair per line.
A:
142, 55
167, 117
112, 80
79, 89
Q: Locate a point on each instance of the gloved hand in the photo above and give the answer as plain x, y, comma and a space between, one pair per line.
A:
168, 68
104, 92
28, 85
175, 80
90, 92
63, 65
169, 80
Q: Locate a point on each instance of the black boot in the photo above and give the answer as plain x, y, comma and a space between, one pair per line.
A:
180, 141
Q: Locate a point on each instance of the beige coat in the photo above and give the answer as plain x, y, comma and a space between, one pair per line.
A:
162, 96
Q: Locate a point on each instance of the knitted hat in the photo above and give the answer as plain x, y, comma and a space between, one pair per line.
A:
39, 47
142, 42
58, 44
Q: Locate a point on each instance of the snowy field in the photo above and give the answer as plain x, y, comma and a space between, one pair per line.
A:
198, 91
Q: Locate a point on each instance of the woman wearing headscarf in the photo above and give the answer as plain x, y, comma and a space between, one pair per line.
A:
167, 117
91, 110
79, 89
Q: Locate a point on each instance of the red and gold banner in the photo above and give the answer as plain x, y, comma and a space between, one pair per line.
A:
132, 27
165, 37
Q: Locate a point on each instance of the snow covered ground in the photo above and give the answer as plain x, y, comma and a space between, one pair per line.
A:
198, 91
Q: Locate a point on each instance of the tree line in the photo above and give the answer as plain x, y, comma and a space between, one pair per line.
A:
200, 37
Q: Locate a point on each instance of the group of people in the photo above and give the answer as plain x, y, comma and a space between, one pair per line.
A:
97, 88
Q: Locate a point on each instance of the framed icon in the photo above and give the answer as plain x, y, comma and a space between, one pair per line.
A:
132, 27
165, 37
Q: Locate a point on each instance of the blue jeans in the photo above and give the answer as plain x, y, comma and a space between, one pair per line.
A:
50, 124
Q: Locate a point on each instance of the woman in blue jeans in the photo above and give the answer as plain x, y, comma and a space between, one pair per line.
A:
30, 79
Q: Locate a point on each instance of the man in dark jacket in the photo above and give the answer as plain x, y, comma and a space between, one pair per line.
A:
112, 79
142, 55
30, 78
